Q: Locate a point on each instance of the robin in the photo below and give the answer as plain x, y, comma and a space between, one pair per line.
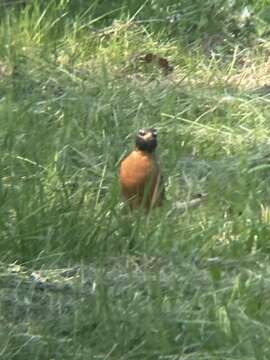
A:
140, 174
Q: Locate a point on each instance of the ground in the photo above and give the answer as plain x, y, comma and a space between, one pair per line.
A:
81, 278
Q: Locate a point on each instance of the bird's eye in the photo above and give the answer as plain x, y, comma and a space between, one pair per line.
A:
142, 132
154, 132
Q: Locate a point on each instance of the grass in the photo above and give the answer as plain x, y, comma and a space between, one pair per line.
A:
79, 277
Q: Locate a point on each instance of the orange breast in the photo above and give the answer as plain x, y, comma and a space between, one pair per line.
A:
140, 179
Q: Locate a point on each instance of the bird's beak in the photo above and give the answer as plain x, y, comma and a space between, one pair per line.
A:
148, 136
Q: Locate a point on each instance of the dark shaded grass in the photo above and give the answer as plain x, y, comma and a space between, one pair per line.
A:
174, 316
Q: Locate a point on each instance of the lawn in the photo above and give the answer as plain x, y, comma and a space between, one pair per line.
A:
81, 277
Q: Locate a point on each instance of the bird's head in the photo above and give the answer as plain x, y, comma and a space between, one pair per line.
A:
146, 140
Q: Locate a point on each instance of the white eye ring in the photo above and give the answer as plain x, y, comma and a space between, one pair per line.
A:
142, 132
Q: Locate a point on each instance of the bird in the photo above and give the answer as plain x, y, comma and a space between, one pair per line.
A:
140, 173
